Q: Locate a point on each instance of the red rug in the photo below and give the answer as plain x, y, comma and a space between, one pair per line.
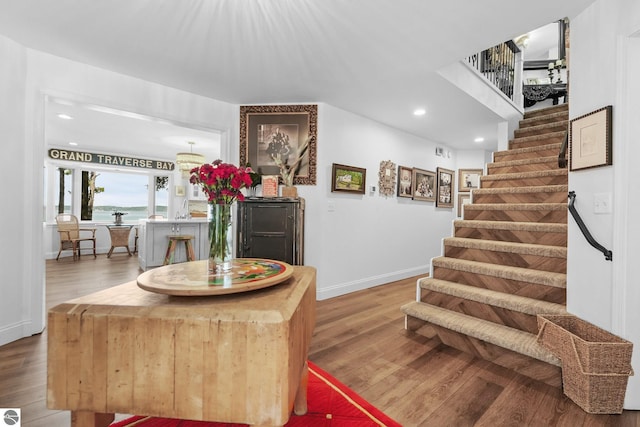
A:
330, 404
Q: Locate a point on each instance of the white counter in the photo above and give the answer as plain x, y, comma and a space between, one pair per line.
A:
154, 238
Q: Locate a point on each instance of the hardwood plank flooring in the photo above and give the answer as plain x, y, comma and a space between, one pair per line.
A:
359, 338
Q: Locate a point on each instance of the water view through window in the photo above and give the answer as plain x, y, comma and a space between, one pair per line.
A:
128, 193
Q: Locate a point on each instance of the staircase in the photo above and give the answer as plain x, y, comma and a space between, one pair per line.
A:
506, 261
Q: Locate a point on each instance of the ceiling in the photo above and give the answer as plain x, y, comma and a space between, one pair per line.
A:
375, 58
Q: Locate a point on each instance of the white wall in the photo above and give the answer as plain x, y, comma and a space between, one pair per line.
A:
605, 63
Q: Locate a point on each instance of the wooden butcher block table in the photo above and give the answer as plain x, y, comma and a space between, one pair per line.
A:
238, 358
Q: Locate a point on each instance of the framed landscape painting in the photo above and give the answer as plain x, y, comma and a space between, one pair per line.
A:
424, 185
446, 180
269, 130
348, 179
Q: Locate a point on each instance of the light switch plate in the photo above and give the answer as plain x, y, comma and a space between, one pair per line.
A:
602, 203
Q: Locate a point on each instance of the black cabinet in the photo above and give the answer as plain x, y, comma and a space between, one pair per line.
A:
271, 228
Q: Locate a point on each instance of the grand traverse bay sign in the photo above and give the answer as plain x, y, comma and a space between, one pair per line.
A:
108, 159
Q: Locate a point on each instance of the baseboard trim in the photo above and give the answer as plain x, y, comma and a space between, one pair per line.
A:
15, 331
326, 292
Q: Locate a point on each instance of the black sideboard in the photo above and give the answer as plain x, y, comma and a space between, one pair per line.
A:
271, 228
537, 93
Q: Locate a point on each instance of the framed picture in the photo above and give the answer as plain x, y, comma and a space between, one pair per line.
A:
348, 179
446, 181
405, 182
180, 191
468, 179
424, 185
590, 142
269, 186
387, 178
267, 130
463, 199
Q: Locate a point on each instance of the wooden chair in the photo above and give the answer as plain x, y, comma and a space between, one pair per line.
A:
70, 235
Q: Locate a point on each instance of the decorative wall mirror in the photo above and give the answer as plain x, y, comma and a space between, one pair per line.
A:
538, 43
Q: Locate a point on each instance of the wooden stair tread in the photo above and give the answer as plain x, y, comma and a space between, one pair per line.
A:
544, 136
553, 115
517, 303
521, 190
513, 225
509, 247
520, 162
529, 149
546, 111
544, 126
503, 336
539, 277
515, 206
523, 175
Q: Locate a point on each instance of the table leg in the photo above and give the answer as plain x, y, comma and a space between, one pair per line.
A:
300, 403
90, 419
110, 252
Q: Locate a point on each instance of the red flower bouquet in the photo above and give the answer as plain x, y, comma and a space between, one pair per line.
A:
222, 181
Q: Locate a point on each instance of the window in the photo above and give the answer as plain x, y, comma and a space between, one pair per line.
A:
115, 191
95, 194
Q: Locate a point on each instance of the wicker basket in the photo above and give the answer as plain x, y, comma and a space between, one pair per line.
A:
595, 363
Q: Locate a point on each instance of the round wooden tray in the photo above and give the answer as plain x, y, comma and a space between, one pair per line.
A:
193, 278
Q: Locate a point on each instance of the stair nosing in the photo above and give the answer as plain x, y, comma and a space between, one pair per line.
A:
511, 225
522, 190
528, 149
538, 277
545, 126
510, 247
541, 112
526, 120
526, 305
529, 138
515, 206
500, 335
523, 175
520, 162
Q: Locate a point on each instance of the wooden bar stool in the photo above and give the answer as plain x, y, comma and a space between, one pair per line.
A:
173, 242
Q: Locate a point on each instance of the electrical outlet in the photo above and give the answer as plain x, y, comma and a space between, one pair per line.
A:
602, 203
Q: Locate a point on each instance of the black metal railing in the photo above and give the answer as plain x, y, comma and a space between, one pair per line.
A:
498, 65
562, 155
608, 255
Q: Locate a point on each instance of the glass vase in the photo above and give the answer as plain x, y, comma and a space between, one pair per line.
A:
220, 238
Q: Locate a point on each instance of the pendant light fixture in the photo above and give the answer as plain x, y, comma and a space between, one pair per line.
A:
188, 161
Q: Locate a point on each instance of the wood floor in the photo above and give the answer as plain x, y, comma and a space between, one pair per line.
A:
359, 338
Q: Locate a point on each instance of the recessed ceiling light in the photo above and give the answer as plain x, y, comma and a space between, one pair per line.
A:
479, 139
73, 143
64, 116
419, 112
